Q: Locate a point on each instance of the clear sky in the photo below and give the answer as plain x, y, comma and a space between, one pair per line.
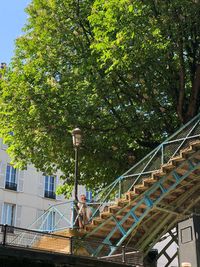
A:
13, 19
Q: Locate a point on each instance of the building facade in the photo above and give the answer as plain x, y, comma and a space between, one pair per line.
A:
26, 194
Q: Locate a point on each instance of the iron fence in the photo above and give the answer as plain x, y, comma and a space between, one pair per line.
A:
46, 242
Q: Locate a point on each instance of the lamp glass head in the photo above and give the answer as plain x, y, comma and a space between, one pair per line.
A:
76, 137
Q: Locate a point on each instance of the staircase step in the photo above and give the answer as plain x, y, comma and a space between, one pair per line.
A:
157, 175
139, 189
195, 143
186, 152
176, 161
138, 212
114, 209
149, 181
105, 215
130, 195
122, 202
165, 168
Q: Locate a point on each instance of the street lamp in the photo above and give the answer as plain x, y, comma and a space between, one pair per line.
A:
76, 138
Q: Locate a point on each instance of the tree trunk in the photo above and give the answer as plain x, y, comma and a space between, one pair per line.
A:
194, 97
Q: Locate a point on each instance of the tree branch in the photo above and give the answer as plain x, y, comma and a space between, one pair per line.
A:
81, 23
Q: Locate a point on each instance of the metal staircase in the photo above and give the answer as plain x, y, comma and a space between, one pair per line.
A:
153, 206
151, 197
147, 201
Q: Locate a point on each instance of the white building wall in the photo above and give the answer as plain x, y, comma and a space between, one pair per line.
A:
29, 198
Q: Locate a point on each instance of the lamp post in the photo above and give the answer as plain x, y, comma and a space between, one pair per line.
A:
76, 138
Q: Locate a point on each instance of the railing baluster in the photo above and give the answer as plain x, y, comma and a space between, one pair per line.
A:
162, 155
71, 246
5, 226
123, 254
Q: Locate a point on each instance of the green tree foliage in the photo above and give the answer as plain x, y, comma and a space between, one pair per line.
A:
126, 72
155, 48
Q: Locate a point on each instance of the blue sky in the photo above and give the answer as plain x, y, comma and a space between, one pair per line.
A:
13, 19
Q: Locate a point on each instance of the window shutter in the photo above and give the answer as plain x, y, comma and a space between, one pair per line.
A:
41, 186
20, 181
3, 146
2, 174
18, 216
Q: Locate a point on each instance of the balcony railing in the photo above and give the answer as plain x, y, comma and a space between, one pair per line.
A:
50, 194
11, 186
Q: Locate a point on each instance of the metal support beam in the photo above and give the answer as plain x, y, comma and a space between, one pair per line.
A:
172, 223
168, 211
119, 226
147, 200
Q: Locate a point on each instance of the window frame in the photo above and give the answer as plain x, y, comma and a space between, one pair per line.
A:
50, 186
50, 222
8, 208
11, 177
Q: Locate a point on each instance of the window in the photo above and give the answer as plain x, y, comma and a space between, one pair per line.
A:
8, 214
89, 196
186, 235
49, 224
50, 187
11, 174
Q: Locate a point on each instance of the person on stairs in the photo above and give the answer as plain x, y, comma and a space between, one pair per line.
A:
84, 212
